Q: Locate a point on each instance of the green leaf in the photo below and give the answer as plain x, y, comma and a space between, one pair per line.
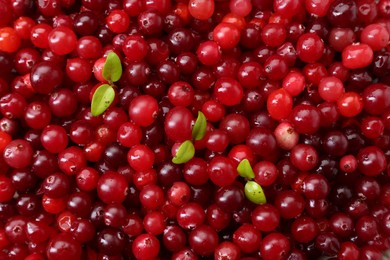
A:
185, 153
254, 192
244, 169
102, 99
112, 69
200, 126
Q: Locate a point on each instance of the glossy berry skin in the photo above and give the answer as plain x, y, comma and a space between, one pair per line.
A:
190, 216
151, 196
143, 110
276, 67
265, 217
112, 187
290, 204
54, 138
236, 126
371, 161
315, 186
140, 157
330, 89
305, 119
9, 40
135, 48
71, 160
37, 115
304, 229
348, 250
265, 173
247, 238
279, 104
350, 104
45, 76
181, 93
18, 154
299, 88
375, 35
203, 240
145, 246
227, 249
201, 9
7, 189
304, 157
228, 91
309, 47
221, 171
63, 245
275, 246
229, 198
177, 124
374, 101
261, 141
357, 56
227, 35
118, 21
62, 40
208, 53
285, 136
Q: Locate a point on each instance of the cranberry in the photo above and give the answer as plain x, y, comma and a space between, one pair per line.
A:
112, 187
290, 204
275, 246
296, 98
18, 154
63, 245
203, 240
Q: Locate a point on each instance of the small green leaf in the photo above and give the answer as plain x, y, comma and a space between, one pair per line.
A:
200, 126
244, 169
254, 192
112, 69
102, 99
185, 153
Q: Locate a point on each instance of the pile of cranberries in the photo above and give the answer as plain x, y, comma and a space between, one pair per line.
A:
298, 88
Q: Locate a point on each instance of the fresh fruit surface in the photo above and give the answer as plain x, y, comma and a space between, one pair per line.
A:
194, 129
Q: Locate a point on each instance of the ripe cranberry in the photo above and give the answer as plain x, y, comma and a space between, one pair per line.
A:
111, 241
328, 243
261, 141
341, 224
174, 238
309, 47
371, 161
228, 91
304, 229
178, 123
289, 203
221, 171
247, 238
275, 246
203, 240
145, 246
140, 157
190, 215
18, 154
151, 196
201, 9
348, 250
305, 119
227, 249
304, 157
71, 160
352, 56
279, 104
112, 187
